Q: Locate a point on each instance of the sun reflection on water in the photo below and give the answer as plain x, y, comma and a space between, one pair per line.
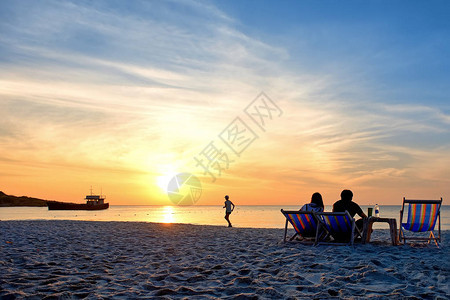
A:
168, 214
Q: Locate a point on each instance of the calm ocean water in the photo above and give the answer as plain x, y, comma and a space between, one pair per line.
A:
243, 216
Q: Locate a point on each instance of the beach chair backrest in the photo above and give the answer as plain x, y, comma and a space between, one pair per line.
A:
337, 222
422, 215
302, 221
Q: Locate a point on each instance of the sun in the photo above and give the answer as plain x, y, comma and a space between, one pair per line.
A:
167, 173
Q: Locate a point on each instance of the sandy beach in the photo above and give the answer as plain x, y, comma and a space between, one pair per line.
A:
79, 259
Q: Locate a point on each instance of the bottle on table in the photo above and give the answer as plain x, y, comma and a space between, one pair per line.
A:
377, 210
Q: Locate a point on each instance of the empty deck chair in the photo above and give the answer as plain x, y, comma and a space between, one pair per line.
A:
339, 225
422, 218
304, 222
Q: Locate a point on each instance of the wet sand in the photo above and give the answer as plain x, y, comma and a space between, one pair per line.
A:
78, 259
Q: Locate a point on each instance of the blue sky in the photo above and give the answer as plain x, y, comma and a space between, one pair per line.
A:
134, 89
399, 46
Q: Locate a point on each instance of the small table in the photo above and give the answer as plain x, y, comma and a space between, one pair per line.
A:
367, 228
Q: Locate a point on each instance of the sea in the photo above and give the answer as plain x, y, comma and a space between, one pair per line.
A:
267, 216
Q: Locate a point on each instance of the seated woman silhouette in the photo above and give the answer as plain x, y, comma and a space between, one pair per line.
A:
316, 204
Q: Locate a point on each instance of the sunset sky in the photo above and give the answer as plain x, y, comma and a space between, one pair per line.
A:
123, 95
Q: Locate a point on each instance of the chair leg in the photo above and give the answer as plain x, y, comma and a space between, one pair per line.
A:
352, 238
285, 230
401, 236
319, 234
293, 237
433, 239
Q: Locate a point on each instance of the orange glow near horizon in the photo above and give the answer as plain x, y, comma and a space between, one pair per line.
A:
276, 181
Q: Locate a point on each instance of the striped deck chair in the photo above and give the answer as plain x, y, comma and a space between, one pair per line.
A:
339, 225
422, 218
304, 222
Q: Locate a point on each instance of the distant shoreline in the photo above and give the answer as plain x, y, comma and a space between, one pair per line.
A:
15, 201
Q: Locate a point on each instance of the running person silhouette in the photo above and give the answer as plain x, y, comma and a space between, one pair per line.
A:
228, 209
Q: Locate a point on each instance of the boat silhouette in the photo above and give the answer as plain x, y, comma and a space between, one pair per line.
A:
93, 202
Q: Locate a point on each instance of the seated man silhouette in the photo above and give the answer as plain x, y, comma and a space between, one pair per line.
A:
346, 204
